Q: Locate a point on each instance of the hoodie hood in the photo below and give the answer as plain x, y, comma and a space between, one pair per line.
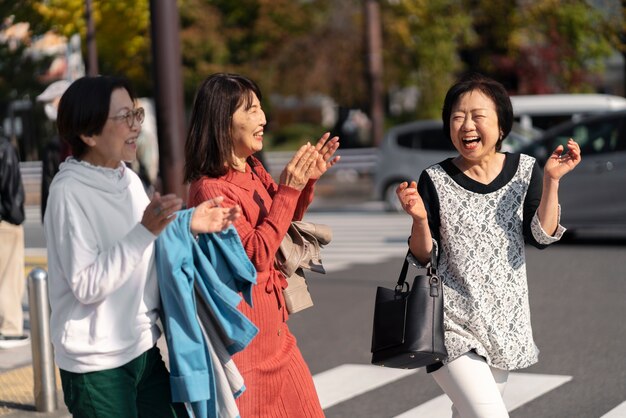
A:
110, 180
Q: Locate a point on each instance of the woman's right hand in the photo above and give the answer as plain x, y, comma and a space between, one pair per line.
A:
298, 171
160, 212
411, 201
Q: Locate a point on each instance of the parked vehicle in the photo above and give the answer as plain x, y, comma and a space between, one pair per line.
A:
544, 111
408, 149
593, 195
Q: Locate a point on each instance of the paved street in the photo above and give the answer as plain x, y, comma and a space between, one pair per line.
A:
578, 294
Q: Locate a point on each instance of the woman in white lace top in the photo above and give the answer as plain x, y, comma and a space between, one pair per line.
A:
476, 211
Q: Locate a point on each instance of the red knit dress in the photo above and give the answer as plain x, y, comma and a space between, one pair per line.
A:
278, 381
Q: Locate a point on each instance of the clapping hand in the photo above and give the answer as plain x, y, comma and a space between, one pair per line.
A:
298, 171
326, 149
411, 200
561, 163
210, 217
160, 212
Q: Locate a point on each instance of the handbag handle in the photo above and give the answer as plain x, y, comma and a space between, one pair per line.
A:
431, 271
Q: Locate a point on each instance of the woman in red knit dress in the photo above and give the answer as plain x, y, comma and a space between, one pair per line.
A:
226, 129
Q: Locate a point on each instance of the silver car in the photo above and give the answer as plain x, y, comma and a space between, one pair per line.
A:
593, 196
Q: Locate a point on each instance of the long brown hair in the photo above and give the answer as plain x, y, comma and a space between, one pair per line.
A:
209, 146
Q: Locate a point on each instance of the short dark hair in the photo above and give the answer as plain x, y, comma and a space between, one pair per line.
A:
209, 145
490, 88
84, 109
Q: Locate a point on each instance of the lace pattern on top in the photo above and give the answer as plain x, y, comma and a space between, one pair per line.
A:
482, 265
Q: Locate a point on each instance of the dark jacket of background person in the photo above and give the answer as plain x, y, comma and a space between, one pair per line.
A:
11, 187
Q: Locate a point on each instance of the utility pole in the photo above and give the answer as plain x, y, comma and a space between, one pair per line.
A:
375, 68
92, 51
166, 66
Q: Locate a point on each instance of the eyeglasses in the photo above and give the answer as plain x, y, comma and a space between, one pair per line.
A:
132, 116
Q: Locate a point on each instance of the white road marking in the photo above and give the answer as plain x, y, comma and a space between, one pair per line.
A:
618, 412
520, 389
362, 238
349, 380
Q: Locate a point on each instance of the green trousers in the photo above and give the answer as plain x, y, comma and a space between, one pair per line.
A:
138, 389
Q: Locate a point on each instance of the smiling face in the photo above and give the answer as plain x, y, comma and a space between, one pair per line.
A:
117, 142
247, 128
474, 127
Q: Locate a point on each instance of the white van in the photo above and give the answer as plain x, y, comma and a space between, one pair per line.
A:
544, 111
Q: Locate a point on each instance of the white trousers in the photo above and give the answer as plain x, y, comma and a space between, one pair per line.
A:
474, 387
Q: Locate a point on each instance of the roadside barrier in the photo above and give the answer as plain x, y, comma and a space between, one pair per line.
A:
44, 377
360, 161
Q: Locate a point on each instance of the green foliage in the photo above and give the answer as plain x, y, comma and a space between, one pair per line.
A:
297, 47
425, 36
557, 45
19, 73
122, 34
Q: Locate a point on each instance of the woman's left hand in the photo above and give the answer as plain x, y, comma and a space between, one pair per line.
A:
561, 163
326, 149
210, 217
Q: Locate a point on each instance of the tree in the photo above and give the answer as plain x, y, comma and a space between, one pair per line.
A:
122, 34
557, 46
19, 72
423, 39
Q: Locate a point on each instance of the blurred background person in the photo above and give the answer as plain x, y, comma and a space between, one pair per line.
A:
55, 151
12, 281
146, 165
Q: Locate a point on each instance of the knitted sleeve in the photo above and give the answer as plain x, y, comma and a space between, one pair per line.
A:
306, 195
261, 241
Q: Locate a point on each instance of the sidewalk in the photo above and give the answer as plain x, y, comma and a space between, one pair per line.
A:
17, 394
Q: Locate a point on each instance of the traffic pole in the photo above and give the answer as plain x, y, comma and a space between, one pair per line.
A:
44, 377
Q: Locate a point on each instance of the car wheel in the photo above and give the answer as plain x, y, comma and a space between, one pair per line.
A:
392, 203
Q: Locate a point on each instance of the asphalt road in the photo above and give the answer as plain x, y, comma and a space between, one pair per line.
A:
578, 308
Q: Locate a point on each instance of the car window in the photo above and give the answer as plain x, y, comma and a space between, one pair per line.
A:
594, 138
425, 139
547, 122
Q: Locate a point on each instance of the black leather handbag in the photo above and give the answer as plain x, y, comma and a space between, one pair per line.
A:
408, 322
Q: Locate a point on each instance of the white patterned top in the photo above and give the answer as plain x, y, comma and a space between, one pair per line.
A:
479, 231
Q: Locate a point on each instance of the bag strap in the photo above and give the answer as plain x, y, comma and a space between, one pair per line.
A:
430, 271
403, 272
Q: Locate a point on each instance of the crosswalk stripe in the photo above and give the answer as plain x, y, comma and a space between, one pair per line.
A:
349, 380
520, 389
618, 412
362, 238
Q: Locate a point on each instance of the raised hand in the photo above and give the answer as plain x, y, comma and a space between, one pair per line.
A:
561, 163
210, 217
411, 200
298, 171
326, 149
160, 212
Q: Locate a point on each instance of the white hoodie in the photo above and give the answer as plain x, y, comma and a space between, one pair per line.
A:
101, 272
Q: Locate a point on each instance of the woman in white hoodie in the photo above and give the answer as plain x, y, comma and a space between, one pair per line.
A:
100, 230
